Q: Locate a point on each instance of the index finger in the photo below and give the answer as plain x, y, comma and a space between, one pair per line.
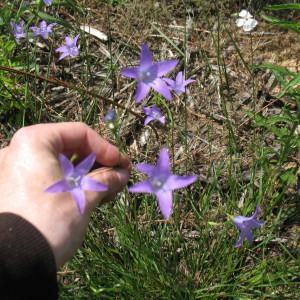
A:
73, 137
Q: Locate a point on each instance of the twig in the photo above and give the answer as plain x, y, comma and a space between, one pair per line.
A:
78, 89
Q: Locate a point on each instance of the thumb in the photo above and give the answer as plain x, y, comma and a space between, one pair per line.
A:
114, 178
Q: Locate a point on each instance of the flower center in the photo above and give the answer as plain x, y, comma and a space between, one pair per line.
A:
74, 181
73, 51
19, 29
155, 115
145, 76
158, 181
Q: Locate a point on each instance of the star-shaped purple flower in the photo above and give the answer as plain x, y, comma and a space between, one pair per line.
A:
48, 2
148, 74
178, 85
161, 182
69, 49
245, 226
18, 30
153, 113
43, 30
75, 182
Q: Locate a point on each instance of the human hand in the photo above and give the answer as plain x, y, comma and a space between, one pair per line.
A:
30, 164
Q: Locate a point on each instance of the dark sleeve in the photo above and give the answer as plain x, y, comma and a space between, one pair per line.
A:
27, 263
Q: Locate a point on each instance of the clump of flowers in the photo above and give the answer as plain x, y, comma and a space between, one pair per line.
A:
245, 226
161, 182
153, 113
178, 85
69, 49
18, 30
43, 29
246, 21
75, 180
148, 75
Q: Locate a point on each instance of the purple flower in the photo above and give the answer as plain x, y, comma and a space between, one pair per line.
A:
161, 182
69, 48
148, 75
110, 116
43, 30
75, 182
18, 30
153, 113
178, 85
48, 2
245, 225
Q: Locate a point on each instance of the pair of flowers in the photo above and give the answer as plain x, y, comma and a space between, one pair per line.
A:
68, 49
152, 113
42, 30
149, 75
161, 182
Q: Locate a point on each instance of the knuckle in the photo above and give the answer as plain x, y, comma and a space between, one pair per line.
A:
20, 135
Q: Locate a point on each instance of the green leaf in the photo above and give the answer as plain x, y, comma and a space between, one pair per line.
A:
279, 72
51, 19
291, 25
283, 6
289, 177
295, 81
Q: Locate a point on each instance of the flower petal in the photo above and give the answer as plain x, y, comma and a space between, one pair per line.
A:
84, 166
186, 82
63, 55
177, 182
79, 198
76, 39
248, 235
165, 202
240, 240
147, 110
130, 72
148, 120
257, 212
145, 168
69, 41
162, 120
160, 86
255, 223
179, 78
62, 49
169, 81
163, 162
245, 14
141, 187
90, 184
65, 164
35, 30
240, 220
240, 22
165, 67
58, 187
249, 25
146, 56
141, 92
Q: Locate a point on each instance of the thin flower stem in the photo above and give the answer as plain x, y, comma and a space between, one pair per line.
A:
184, 95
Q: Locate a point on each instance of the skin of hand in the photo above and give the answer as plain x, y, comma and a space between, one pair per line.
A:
30, 164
